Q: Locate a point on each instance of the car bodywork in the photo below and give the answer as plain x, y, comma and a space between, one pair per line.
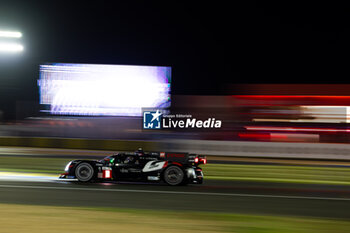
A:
173, 168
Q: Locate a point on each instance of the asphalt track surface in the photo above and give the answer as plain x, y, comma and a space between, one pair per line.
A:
213, 196
328, 201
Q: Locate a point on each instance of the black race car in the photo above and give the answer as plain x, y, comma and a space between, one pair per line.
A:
172, 168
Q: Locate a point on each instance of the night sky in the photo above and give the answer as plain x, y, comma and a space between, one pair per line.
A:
208, 44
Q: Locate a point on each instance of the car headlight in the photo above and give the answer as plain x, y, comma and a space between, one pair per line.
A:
67, 167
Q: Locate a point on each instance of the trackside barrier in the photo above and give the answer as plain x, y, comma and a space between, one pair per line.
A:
205, 147
76, 143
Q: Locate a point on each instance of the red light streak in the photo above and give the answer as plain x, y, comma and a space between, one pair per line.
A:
295, 129
272, 100
291, 96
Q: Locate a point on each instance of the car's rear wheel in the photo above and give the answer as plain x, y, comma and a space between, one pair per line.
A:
173, 175
84, 172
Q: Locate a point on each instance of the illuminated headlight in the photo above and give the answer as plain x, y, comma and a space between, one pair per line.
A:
67, 167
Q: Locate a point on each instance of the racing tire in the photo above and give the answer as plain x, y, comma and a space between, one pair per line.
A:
174, 175
84, 172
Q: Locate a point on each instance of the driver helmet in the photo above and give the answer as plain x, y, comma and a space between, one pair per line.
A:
140, 152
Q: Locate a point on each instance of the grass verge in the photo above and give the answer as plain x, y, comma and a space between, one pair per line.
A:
33, 218
279, 173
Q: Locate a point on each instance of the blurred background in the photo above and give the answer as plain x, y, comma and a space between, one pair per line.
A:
75, 76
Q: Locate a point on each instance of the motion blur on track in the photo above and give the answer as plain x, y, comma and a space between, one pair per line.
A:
83, 80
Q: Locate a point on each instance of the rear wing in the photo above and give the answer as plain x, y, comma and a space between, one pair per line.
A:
184, 158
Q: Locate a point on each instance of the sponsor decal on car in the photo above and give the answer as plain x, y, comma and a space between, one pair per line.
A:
175, 155
153, 166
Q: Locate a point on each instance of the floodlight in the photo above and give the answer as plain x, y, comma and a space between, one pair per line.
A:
10, 34
10, 47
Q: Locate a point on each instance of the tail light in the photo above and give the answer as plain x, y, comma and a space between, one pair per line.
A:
200, 160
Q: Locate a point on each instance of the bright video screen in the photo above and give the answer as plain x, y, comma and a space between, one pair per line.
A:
103, 90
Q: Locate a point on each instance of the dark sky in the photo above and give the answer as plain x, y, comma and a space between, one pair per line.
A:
208, 44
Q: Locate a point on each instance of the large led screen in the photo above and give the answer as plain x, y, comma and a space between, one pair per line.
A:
103, 90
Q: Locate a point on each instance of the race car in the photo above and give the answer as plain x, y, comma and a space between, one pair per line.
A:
171, 168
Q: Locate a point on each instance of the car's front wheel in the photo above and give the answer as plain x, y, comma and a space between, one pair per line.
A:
84, 172
173, 175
